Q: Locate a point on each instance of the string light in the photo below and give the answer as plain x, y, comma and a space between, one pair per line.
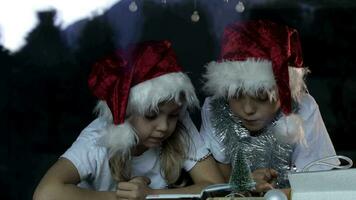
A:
328, 158
240, 7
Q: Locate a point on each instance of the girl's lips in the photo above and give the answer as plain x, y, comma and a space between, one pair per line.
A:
155, 140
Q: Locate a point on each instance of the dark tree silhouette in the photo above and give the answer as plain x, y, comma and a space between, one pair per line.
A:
5, 60
95, 42
5, 88
46, 67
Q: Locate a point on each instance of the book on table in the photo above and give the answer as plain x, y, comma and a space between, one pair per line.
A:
211, 192
216, 190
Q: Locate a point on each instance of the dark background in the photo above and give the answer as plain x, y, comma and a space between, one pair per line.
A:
45, 102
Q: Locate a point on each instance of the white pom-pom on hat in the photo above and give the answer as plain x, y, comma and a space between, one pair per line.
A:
289, 129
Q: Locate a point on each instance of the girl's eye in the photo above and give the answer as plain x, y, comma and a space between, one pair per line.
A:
174, 115
151, 116
238, 95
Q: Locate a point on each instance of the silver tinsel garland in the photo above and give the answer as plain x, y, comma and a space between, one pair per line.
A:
248, 153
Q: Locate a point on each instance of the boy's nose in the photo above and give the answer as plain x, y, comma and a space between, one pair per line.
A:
249, 107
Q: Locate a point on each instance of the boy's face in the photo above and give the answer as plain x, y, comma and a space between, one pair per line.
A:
153, 128
254, 112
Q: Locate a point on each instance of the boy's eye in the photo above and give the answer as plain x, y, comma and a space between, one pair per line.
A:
262, 98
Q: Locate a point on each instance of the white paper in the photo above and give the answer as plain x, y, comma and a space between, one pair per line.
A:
326, 185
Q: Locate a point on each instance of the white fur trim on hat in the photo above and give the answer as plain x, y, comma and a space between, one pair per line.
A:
144, 97
227, 78
147, 95
289, 129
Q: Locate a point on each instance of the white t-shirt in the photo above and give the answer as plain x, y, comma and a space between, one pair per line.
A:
92, 162
317, 138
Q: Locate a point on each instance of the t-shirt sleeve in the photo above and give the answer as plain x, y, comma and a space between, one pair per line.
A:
318, 143
207, 132
85, 155
197, 149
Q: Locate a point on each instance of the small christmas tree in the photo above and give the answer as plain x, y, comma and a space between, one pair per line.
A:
240, 179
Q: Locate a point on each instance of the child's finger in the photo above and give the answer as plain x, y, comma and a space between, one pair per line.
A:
273, 173
270, 174
263, 187
124, 194
259, 174
127, 186
141, 179
267, 176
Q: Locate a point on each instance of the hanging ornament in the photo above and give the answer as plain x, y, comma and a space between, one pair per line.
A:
133, 6
195, 16
164, 1
275, 195
240, 7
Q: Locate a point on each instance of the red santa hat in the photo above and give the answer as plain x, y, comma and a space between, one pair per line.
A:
262, 56
135, 81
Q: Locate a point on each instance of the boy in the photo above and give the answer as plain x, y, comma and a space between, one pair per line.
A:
260, 115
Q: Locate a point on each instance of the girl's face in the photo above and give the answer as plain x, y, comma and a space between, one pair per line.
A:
254, 112
153, 128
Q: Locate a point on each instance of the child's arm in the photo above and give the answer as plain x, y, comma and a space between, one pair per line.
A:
60, 183
225, 170
204, 173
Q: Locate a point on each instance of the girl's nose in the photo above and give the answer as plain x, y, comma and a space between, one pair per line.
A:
162, 124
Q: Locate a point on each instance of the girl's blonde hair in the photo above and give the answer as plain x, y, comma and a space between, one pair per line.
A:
172, 156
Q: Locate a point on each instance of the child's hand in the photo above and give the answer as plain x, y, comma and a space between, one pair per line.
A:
136, 188
264, 179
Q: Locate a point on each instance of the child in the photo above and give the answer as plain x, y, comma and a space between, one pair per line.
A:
143, 136
260, 115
